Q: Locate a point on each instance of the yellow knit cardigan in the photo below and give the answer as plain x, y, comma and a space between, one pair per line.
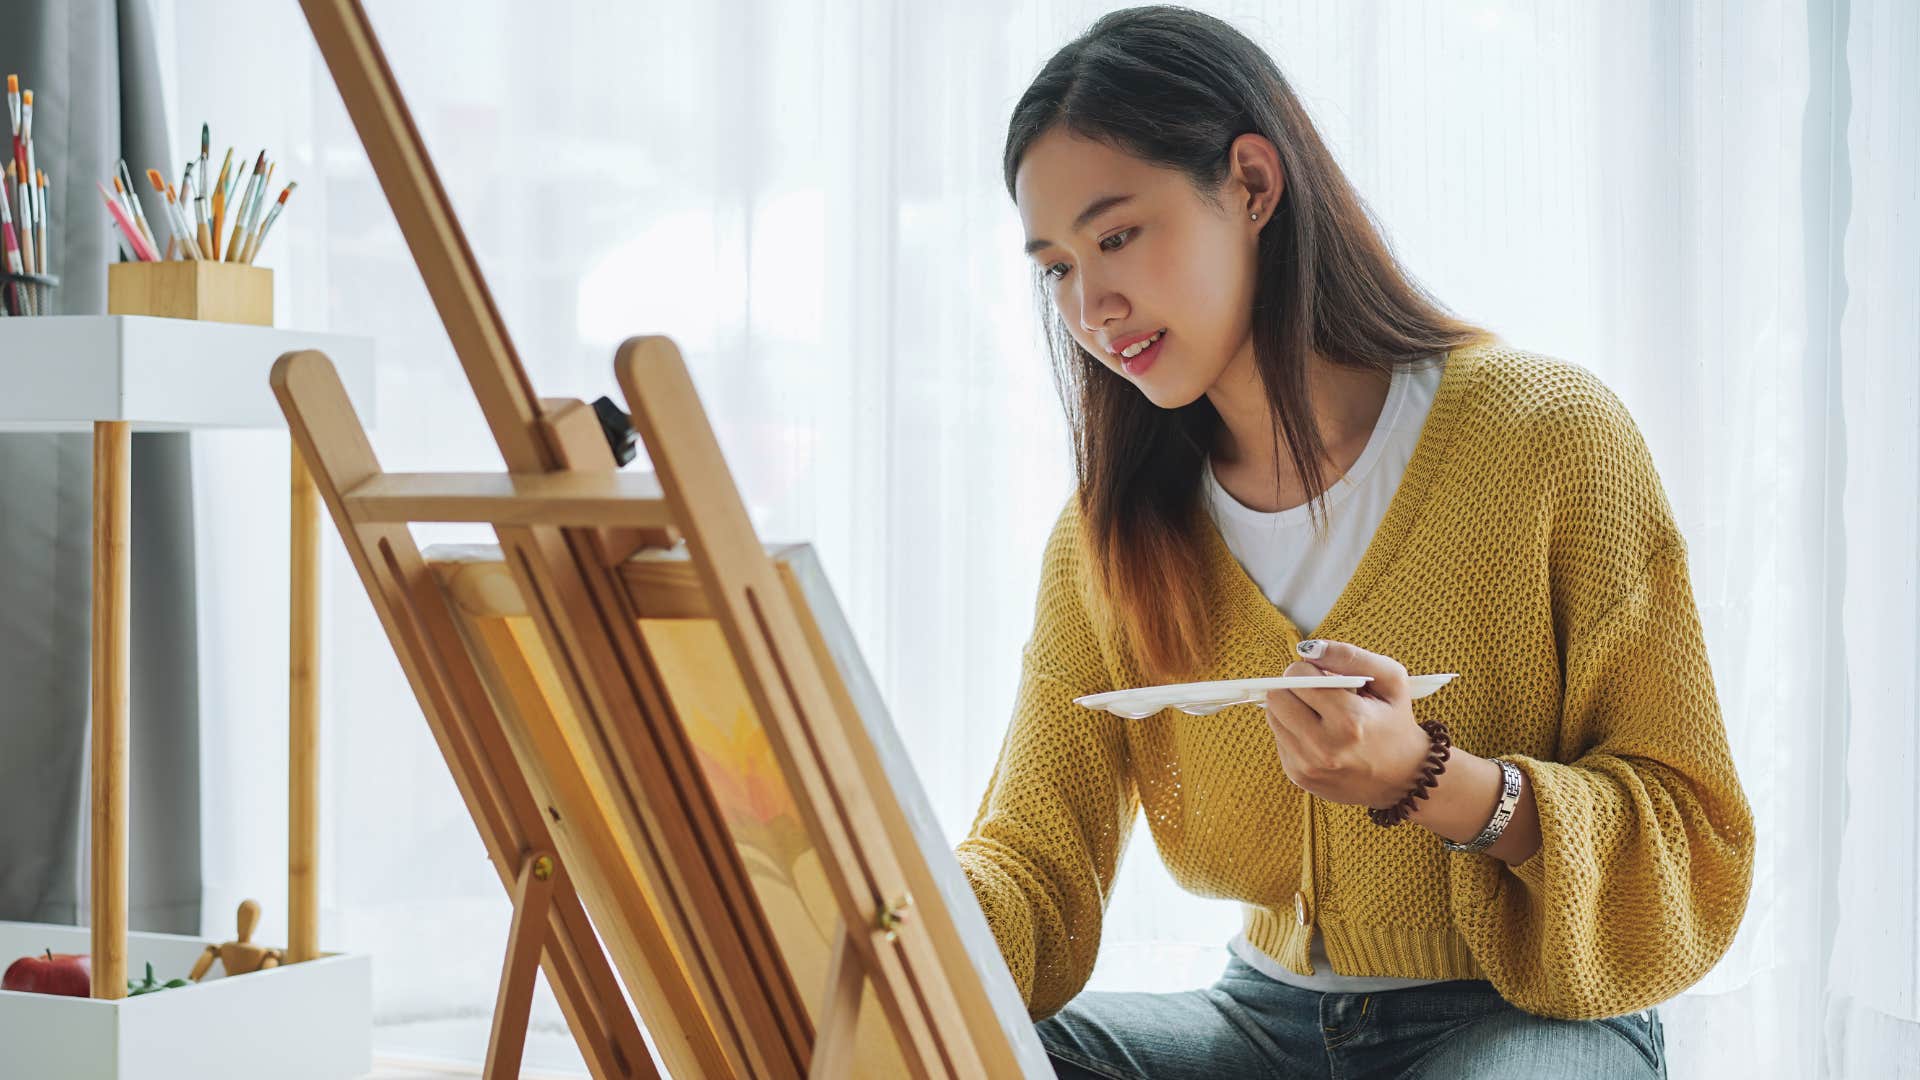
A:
1529, 547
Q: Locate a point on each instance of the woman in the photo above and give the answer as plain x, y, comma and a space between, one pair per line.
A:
1501, 879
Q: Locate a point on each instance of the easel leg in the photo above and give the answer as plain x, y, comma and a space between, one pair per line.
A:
303, 734
839, 1014
112, 520
532, 892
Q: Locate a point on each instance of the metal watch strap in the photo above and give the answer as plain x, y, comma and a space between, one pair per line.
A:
1509, 799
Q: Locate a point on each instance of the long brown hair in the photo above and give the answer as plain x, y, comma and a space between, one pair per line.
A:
1174, 87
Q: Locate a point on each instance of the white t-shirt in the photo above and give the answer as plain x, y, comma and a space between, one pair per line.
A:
1304, 578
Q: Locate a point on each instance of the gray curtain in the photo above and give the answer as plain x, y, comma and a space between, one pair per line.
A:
93, 68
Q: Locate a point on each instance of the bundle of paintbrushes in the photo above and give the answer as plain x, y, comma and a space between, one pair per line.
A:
23, 215
207, 219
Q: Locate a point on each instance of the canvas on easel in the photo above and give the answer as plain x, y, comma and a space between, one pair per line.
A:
734, 751
664, 734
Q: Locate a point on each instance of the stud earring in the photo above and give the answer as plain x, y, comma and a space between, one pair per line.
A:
1255, 216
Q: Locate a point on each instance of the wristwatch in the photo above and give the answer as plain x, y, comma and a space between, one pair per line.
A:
1502, 813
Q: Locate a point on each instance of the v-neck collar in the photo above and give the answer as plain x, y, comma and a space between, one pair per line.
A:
1342, 488
1242, 595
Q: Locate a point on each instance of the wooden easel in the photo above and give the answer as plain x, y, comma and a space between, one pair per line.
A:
600, 807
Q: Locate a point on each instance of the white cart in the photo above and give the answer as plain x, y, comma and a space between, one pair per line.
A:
310, 1019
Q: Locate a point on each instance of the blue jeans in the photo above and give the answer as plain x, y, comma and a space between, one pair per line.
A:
1248, 1025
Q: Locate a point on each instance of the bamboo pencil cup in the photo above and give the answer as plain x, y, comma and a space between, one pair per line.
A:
192, 289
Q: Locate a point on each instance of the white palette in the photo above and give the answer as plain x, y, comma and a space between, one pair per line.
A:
1207, 698
311, 1021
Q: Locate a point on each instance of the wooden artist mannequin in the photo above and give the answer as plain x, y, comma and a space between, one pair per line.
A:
242, 956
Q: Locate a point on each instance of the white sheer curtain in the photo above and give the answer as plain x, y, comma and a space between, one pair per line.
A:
1712, 205
1873, 1016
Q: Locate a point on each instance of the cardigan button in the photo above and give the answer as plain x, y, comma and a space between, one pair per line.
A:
1300, 907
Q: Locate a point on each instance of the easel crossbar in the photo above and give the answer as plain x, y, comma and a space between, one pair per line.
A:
559, 498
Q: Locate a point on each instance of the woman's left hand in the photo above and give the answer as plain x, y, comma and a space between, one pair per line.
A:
1360, 747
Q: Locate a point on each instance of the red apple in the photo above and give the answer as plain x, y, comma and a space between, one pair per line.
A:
70, 974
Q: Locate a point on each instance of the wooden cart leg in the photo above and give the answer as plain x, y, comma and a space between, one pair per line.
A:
112, 518
532, 892
303, 734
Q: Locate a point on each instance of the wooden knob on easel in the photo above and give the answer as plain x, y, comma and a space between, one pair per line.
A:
895, 914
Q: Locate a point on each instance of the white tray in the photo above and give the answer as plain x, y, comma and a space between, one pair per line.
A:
1207, 698
311, 1021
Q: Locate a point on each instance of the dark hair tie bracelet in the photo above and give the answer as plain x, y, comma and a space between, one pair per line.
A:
1438, 750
